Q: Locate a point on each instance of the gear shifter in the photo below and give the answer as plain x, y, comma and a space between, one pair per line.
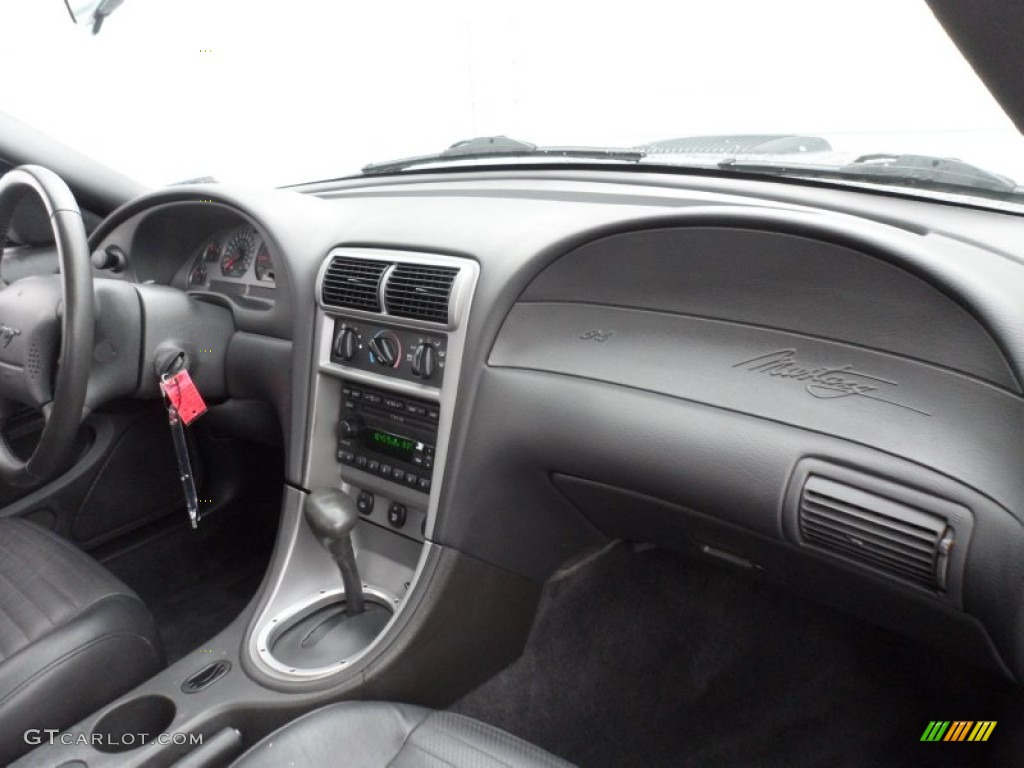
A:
332, 515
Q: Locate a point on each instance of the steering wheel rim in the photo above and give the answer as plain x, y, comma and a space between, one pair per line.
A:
64, 411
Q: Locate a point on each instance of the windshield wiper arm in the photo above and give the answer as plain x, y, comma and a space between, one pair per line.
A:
490, 147
922, 171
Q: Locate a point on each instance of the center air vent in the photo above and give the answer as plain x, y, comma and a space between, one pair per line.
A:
420, 292
889, 536
353, 283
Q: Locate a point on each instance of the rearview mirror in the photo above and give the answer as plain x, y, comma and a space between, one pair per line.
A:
91, 13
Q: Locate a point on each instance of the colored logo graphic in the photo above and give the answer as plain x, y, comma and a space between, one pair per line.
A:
958, 730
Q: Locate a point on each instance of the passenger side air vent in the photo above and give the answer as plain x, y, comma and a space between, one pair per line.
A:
353, 283
420, 292
875, 531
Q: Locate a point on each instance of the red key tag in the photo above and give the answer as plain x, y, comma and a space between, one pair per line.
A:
182, 394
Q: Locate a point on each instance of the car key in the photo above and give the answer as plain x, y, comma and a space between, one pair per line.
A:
184, 405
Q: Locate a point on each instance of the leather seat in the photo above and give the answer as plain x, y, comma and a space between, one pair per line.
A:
72, 637
360, 734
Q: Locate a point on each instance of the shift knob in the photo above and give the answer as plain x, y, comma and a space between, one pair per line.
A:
331, 515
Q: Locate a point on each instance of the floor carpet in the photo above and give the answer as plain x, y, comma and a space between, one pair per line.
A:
642, 658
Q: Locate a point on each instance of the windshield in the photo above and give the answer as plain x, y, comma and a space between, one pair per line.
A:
278, 93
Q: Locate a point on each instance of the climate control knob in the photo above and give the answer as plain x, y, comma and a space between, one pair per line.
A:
345, 343
424, 360
386, 349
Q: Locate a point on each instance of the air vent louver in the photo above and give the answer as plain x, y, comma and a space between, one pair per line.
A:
420, 292
900, 540
353, 283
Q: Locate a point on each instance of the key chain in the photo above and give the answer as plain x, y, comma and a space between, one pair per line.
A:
184, 405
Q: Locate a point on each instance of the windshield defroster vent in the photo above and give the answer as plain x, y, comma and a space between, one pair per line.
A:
902, 541
353, 283
420, 292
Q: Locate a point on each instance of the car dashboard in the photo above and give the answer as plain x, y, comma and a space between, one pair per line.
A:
815, 386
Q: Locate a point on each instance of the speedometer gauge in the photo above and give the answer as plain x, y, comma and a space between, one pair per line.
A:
238, 253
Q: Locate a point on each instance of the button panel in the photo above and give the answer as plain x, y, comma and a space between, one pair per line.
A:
388, 435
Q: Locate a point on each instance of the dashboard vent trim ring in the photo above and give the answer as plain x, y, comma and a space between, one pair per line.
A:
353, 283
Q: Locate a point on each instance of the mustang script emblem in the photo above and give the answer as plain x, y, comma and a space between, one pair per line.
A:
7, 335
823, 381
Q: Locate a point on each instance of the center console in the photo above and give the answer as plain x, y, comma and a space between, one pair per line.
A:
389, 341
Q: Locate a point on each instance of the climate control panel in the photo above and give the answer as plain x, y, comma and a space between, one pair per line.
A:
401, 353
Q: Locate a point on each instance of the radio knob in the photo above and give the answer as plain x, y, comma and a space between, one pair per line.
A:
347, 429
424, 360
345, 343
385, 350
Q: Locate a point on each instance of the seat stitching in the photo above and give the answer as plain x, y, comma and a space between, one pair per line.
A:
405, 741
15, 555
451, 735
428, 752
67, 656
20, 592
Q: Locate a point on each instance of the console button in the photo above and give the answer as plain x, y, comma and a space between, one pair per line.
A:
346, 457
398, 474
364, 502
371, 398
396, 405
424, 484
433, 413
416, 410
396, 515
373, 466
361, 462
385, 470
411, 480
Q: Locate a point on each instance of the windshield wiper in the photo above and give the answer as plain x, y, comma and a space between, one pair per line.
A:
490, 147
941, 174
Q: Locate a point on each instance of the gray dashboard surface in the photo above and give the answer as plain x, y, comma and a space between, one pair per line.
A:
697, 279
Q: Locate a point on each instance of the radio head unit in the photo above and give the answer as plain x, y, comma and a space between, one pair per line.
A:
388, 435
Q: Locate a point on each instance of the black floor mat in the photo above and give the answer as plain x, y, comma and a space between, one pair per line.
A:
645, 659
196, 582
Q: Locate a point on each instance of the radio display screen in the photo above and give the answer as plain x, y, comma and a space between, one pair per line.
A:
395, 446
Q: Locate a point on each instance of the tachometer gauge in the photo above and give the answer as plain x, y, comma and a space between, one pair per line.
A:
264, 264
238, 253
197, 275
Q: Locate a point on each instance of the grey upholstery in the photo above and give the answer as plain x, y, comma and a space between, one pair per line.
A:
72, 637
360, 734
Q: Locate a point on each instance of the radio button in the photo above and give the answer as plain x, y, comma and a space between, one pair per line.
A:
346, 457
433, 413
385, 470
416, 410
411, 480
398, 474
372, 398
396, 405
361, 462
424, 484
373, 466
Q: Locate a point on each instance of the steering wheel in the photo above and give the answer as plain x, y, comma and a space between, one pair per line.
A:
46, 326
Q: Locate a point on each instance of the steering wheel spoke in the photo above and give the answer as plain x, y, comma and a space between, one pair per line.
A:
46, 330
